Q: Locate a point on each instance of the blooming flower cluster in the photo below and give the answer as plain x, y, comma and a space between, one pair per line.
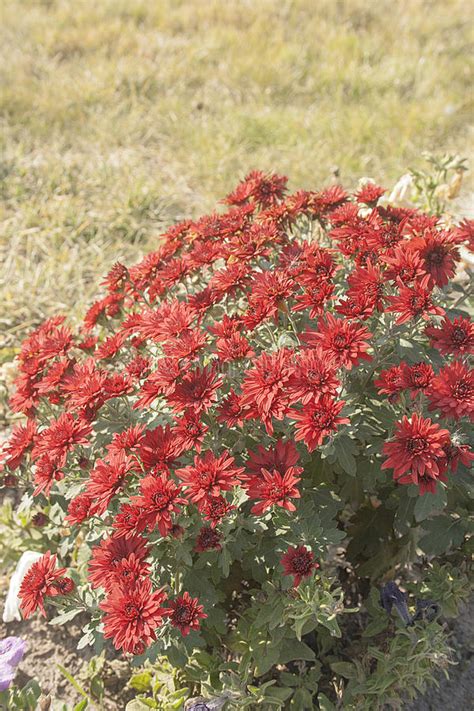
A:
199, 389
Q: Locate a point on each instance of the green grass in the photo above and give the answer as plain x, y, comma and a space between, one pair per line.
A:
119, 116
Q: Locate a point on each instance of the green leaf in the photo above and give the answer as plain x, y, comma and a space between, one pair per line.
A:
345, 669
86, 639
426, 504
302, 700
325, 704
71, 679
294, 649
81, 705
344, 447
141, 681
65, 617
375, 627
139, 705
267, 659
225, 559
442, 533
300, 625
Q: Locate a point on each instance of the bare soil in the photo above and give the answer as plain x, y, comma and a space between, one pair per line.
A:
50, 646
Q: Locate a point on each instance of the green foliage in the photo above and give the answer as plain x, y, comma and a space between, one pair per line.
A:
157, 687
25, 699
395, 673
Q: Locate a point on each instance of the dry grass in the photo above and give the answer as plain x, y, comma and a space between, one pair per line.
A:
122, 115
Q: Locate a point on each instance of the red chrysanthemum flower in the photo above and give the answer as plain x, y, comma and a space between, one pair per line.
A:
369, 281
273, 489
264, 389
346, 343
159, 499
298, 562
390, 383
187, 346
128, 441
79, 509
84, 388
208, 539
197, 390
63, 586
404, 265
416, 451
161, 382
457, 453
132, 616
185, 613
439, 253
61, 437
110, 347
107, 479
314, 266
215, 508
417, 377
20, 441
190, 431
109, 553
263, 189
128, 573
209, 476
464, 232
317, 420
414, 302
41, 580
452, 391
231, 411
369, 194
280, 457
116, 277
314, 374
314, 298
235, 347
139, 367
453, 337
46, 471
159, 448
271, 288
128, 521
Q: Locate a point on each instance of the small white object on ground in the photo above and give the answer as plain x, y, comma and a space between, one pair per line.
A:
11, 610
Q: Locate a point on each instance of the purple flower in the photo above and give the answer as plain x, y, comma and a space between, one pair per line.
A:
7, 672
12, 650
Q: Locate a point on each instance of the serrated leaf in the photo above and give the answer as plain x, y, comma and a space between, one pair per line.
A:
344, 448
442, 533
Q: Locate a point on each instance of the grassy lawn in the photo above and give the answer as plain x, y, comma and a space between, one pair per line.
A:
119, 116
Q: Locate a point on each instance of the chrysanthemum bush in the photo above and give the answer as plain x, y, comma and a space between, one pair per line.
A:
254, 422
